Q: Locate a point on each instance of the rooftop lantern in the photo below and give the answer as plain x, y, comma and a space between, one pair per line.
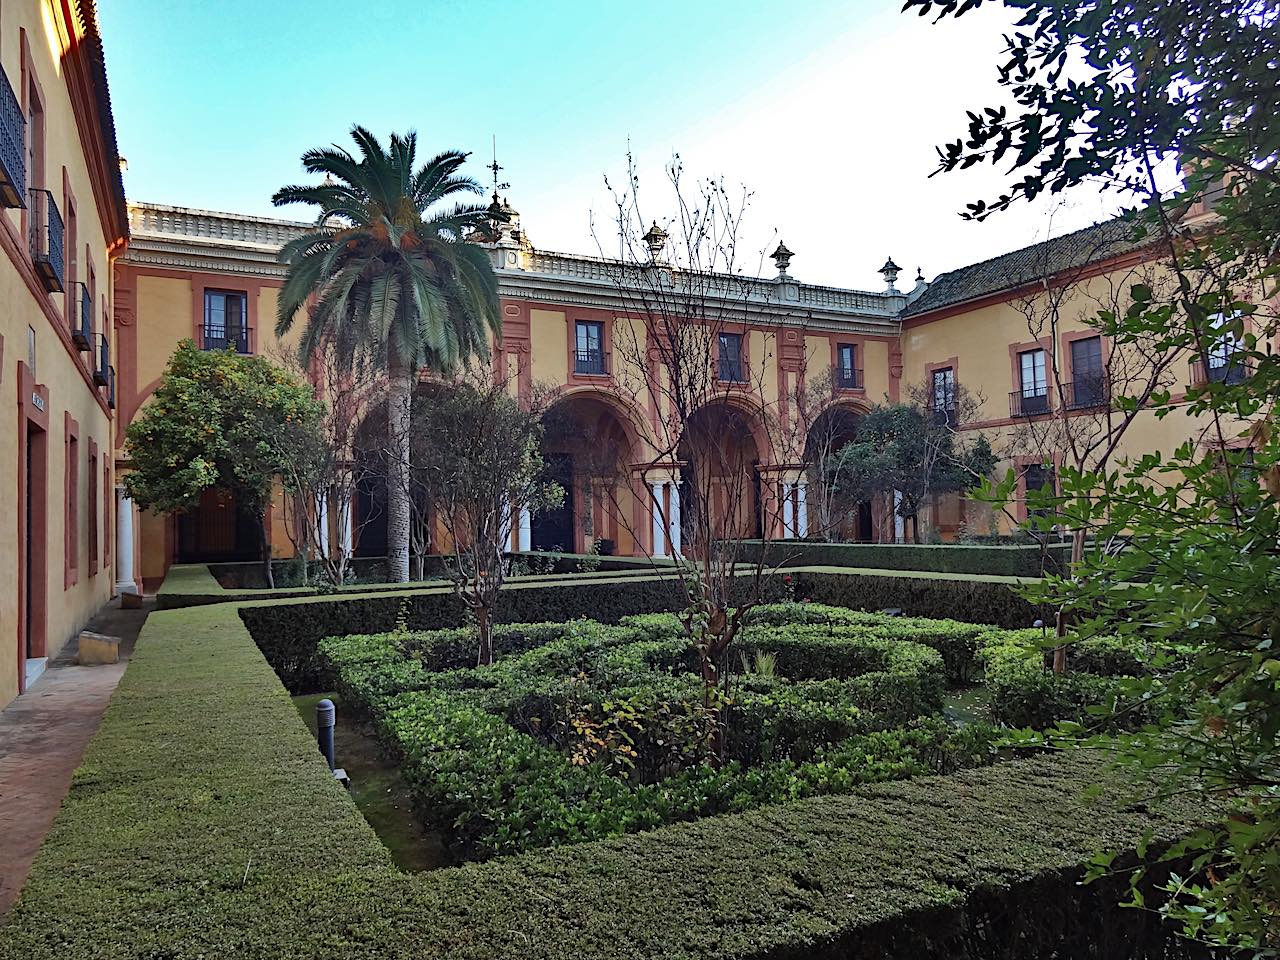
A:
655, 239
782, 257
890, 272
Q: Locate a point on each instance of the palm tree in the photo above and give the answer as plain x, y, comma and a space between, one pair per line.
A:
388, 274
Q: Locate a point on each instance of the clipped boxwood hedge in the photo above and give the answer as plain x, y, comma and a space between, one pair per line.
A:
1030, 560
494, 754
184, 837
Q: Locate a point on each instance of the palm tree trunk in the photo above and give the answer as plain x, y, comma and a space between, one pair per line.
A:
399, 392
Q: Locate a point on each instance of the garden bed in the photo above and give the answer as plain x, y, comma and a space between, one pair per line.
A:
203, 822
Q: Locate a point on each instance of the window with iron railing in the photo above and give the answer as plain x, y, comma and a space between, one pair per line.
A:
100, 374
942, 396
81, 305
848, 376
226, 325
13, 147
1032, 395
44, 237
111, 387
589, 357
729, 361
1089, 386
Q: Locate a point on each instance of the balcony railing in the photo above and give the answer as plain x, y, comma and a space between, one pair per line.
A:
111, 388
101, 376
1087, 393
44, 233
81, 316
13, 147
591, 363
1221, 370
848, 378
220, 338
1024, 403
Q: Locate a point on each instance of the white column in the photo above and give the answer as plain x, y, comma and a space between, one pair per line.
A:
899, 521
524, 540
322, 523
788, 512
345, 526
125, 582
673, 514
802, 509
659, 534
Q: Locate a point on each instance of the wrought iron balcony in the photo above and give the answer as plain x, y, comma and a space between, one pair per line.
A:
591, 363
1087, 392
44, 234
111, 388
218, 337
81, 315
1029, 403
100, 370
848, 378
1221, 370
13, 147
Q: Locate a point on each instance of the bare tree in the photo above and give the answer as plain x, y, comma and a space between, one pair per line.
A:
321, 519
1090, 375
696, 341
479, 456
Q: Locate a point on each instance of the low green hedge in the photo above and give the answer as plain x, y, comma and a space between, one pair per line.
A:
1005, 561
974, 599
203, 823
1025, 692
599, 730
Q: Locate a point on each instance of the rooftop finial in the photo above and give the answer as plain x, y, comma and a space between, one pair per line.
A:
496, 167
655, 239
782, 257
890, 272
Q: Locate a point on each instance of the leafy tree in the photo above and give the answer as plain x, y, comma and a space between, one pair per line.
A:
388, 272
479, 454
905, 452
1108, 93
220, 420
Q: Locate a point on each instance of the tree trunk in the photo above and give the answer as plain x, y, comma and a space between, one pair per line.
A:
399, 394
265, 544
484, 628
1077, 556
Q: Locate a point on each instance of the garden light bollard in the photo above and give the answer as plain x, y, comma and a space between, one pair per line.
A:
324, 729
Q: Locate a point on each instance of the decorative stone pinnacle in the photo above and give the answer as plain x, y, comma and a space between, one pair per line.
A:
782, 257
655, 239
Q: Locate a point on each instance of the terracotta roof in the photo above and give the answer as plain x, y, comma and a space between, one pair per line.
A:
1036, 262
96, 62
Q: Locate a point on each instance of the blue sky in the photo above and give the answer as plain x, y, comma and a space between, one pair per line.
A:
827, 111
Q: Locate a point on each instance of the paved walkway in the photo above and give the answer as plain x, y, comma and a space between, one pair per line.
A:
43, 734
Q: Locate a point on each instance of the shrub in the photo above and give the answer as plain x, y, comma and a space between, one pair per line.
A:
183, 839
972, 599
595, 730
1026, 560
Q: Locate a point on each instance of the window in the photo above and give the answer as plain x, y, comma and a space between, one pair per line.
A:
1036, 477
943, 396
1089, 387
92, 484
225, 321
1034, 387
35, 135
1225, 363
731, 358
848, 376
73, 506
588, 356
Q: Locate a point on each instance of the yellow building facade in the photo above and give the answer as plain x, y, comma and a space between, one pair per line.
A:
61, 227
100, 293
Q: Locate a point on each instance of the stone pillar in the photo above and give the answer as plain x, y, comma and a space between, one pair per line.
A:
524, 539
673, 514
899, 521
802, 509
659, 533
788, 511
346, 524
125, 582
322, 523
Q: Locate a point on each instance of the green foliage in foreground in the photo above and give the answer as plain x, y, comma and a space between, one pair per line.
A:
186, 840
582, 731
